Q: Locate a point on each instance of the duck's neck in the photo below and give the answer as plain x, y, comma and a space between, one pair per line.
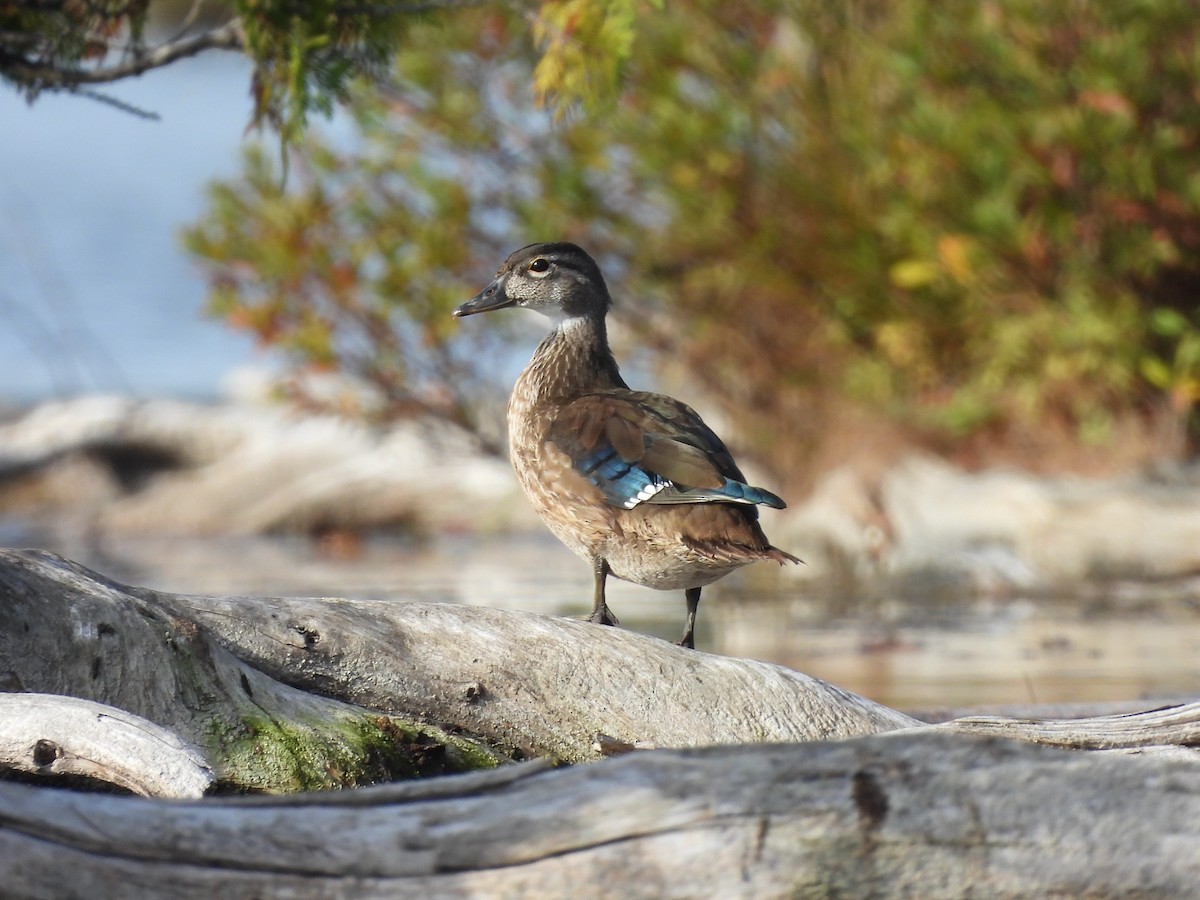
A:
572, 360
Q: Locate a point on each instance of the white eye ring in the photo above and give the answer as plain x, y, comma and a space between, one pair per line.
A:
539, 268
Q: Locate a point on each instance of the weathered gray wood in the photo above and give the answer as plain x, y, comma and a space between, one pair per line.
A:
1038, 711
48, 734
903, 815
928, 811
509, 675
1177, 725
64, 630
542, 685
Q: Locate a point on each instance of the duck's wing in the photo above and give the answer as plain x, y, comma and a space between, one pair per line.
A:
638, 447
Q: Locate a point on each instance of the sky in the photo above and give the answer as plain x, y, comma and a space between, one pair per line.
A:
96, 291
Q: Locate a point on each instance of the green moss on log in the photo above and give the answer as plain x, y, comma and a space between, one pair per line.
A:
263, 754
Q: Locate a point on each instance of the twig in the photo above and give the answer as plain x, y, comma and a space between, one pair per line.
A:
227, 37
121, 105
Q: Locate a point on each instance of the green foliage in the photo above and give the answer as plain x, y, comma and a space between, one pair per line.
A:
964, 217
585, 44
38, 40
305, 54
326, 272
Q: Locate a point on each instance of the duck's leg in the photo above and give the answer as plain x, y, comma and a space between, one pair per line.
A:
689, 631
601, 614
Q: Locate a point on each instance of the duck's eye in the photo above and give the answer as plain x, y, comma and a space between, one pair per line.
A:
539, 266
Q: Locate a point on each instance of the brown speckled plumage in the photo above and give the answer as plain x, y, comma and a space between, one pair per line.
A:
576, 429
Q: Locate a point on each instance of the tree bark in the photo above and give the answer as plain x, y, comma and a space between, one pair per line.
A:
808, 797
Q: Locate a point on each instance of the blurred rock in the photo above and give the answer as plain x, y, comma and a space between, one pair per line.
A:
919, 528
925, 524
167, 467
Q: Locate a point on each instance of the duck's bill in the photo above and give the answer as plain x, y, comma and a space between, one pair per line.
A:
491, 297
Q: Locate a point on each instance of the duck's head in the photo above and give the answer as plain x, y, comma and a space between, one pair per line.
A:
558, 280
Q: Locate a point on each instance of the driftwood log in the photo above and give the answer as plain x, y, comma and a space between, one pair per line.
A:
815, 791
894, 815
48, 734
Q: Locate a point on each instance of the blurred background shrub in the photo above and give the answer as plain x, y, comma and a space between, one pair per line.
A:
974, 226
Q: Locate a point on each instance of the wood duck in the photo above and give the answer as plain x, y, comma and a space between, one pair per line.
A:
633, 482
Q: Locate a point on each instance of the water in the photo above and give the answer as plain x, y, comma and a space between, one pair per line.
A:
961, 652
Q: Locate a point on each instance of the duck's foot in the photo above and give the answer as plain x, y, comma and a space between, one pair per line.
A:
688, 640
602, 615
